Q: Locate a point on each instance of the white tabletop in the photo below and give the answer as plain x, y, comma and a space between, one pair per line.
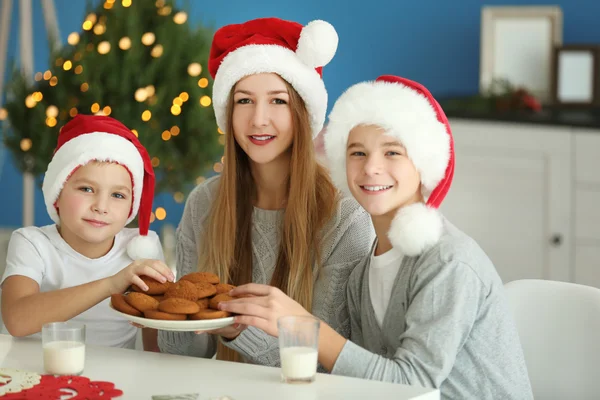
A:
143, 374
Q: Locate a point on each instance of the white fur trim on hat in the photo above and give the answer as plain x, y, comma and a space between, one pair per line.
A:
402, 113
415, 228
143, 247
256, 59
317, 44
96, 146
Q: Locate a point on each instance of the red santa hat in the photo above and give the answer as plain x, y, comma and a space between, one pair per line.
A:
270, 45
407, 111
99, 138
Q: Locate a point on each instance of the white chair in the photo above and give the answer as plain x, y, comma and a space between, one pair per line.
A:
559, 329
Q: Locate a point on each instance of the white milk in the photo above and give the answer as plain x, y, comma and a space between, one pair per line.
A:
298, 362
64, 357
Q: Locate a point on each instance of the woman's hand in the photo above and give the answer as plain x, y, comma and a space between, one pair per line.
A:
260, 306
229, 332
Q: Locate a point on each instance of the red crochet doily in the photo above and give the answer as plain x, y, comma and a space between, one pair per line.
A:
67, 387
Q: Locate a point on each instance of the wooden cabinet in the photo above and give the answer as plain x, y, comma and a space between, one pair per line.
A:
530, 195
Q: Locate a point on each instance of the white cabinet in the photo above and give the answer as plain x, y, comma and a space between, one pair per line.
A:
530, 195
586, 227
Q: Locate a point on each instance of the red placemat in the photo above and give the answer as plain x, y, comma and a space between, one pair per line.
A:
67, 387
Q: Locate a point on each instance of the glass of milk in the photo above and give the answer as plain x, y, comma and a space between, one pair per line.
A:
298, 348
64, 348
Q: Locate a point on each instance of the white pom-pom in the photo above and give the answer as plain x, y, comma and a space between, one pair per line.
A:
143, 247
317, 44
415, 228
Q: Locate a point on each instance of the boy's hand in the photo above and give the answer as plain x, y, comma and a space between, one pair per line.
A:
131, 275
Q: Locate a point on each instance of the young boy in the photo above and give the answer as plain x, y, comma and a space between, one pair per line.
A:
427, 306
99, 179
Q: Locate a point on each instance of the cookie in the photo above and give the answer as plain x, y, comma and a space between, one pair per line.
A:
141, 301
203, 303
205, 289
224, 288
178, 306
209, 314
158, 297
155, 314
120, 304
201, 277
214, 302
154, 286
182, 290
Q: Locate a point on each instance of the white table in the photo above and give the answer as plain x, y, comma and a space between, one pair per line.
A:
143, 374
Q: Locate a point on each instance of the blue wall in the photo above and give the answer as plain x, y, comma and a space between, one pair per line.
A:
435, 42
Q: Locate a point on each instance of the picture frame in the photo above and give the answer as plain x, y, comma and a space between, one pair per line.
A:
517, 44
576, 80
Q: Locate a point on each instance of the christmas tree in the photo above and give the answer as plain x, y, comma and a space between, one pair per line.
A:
140, 62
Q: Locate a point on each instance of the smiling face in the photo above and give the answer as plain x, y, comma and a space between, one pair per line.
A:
380, 175
94, 205
262, 117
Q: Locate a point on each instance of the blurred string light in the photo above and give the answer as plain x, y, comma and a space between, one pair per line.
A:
194, 69
26, 144
99, 29
125, 43
73, 38
160, 213
179, 197
164, 11
205, 101
104, 47
52, 111
180, 18
148, 38
157, 51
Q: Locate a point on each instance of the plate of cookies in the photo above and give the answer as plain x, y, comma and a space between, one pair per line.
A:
190, 304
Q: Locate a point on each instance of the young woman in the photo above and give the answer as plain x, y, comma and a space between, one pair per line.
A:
273, 216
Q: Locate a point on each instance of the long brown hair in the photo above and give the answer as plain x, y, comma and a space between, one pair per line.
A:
226, 248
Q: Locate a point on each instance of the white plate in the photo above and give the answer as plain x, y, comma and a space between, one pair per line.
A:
179, 326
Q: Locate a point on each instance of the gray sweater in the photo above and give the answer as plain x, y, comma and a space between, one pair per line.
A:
448, 326
347, 238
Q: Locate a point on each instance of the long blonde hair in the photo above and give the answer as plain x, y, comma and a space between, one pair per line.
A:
226, 248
